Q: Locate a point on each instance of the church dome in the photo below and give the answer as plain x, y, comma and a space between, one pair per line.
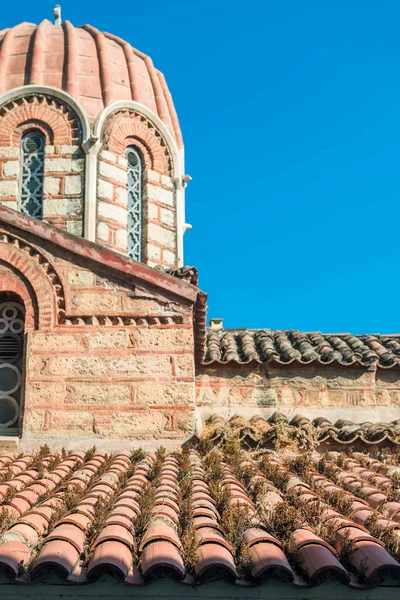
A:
95, 68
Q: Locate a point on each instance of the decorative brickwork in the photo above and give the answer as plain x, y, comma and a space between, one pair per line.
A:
128, 128
50, 292
106, 357
64, 159
352, 392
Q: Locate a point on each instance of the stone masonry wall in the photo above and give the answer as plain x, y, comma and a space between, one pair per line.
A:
64, 160
333, 392
123, 129
104, 359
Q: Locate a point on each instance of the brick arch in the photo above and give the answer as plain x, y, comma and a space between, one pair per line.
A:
33, 125
15, 282
59, 123
127, 127
34, 267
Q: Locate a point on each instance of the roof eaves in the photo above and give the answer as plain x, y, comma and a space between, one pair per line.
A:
99, 254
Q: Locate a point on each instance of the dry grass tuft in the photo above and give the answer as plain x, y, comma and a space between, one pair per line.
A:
235, 520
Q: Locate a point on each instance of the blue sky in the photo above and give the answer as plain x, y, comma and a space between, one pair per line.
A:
290, 114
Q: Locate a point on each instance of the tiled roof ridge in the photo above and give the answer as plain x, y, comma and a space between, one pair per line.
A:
260, 432
245, 346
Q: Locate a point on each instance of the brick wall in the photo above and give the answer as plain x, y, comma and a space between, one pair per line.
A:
105, 358
359, 393
123, 129
64, 160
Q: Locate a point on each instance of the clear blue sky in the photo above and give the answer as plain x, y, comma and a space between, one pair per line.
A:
290, 111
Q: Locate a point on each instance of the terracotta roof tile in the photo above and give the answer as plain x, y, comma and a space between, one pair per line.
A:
131, 517
59, 56
261, 432
285, 347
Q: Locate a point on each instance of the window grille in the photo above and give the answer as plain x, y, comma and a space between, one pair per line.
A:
32, 174
12, 321
135, 173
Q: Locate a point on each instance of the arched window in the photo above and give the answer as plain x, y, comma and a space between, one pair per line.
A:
32, 174
12, 324
135, 173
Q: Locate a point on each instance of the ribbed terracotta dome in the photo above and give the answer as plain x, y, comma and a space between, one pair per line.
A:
95, 68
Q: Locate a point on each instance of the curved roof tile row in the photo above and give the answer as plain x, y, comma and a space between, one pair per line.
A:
78, 517
260, 432
286, 347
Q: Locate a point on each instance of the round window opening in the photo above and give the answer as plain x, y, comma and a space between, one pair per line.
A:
9, 411
33, 142
10, 379
133, 158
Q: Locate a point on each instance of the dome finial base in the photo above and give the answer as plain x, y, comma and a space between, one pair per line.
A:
57, 15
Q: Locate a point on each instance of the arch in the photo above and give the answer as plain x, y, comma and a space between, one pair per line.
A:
64, 173
177, 155
126, 127
12, 359
45, 90
15, 282
34, 267
33, 111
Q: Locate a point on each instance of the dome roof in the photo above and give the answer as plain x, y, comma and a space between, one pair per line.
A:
95, 68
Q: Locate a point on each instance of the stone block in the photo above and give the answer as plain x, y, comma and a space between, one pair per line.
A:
69, 149
105, 395
109, 339
69, 422
151, 176
184, 366
158, 194
101, 303
62, 206
109, 156
162, 394
51, 342
163, 339
52, 185
121, 195
73, 185
78, 165
80, 277
113, 212
137, 365
167, 217
11, 168
112, 172
75, 227
169, 257
8, 188
167, 181
103, 231
142, 424
153, 253
165, 237
150, 211
58, 165
121, 239
7, 152
105, 189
